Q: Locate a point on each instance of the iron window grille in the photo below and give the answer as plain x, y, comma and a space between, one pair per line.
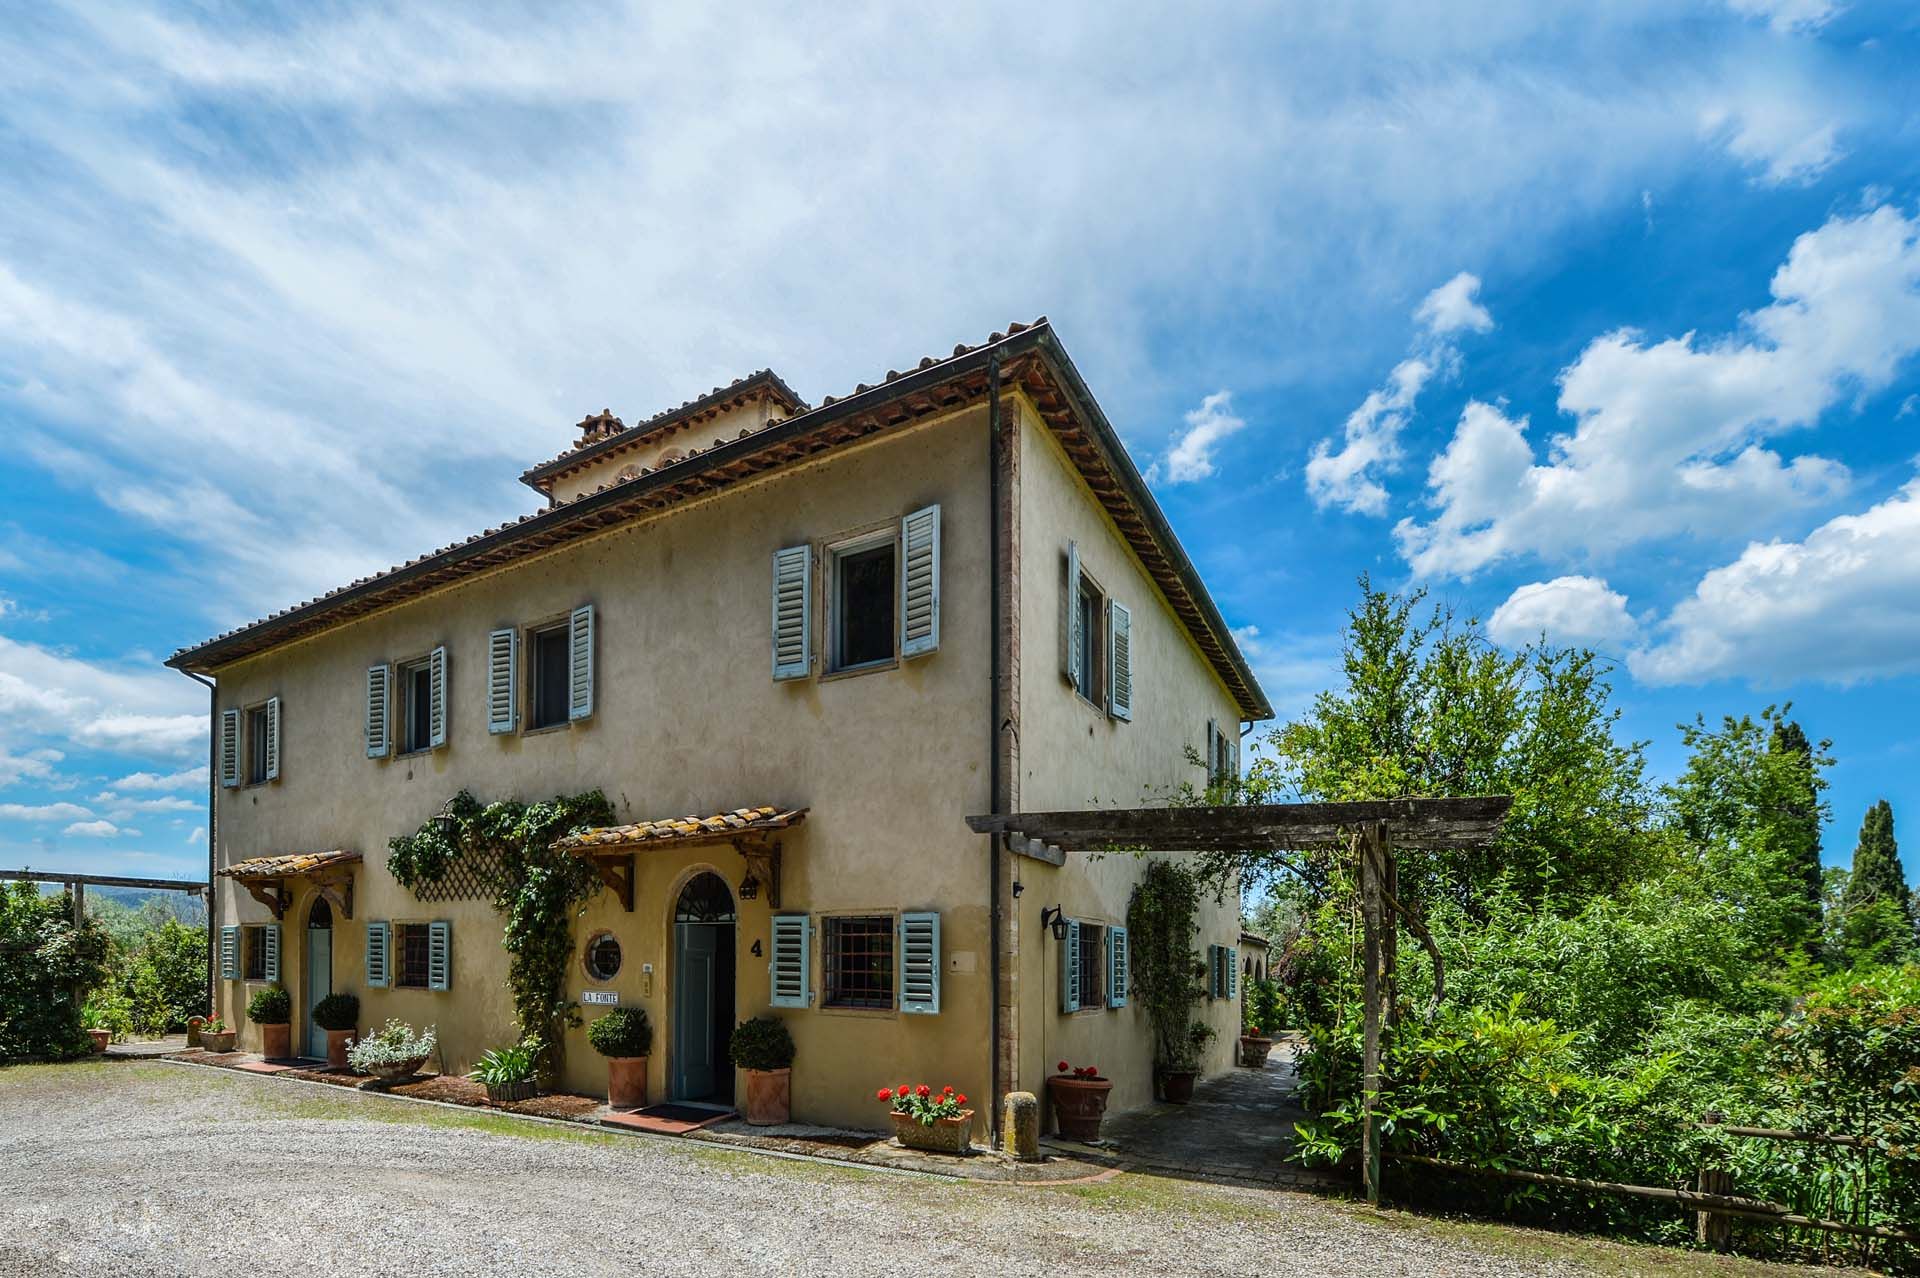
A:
256, 969
859, 961
412, 947
1093, 965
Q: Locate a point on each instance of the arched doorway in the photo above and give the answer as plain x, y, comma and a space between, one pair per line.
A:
319, 971
703, 923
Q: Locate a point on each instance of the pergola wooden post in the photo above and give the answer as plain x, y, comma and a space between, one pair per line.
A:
1372, 829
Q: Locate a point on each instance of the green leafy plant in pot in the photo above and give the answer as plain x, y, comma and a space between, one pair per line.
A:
625, 1037
272, 1010
509, 1072
763, 1048
339, 1016
1262, 1017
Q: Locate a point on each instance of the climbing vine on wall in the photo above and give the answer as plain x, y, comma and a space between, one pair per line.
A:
1162, 920
540, 891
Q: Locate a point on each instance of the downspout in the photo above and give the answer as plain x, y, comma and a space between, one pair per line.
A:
213, 793
994, 923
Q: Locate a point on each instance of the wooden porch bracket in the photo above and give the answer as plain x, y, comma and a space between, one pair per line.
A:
271, 893
336, 887
617, 873
763, 863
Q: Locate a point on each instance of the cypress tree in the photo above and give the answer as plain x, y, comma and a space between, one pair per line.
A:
1797, 832
1877, 875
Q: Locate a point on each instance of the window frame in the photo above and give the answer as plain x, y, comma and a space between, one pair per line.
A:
253, 946
832, 554
530, 635
586, 957
397, 931
401, 681
255, 726
1094, 599
1093, 977
886, 925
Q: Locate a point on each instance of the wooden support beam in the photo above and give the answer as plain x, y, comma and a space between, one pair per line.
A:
271, 893
617, 873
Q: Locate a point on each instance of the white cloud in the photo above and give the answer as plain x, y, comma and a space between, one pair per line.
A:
1370, 443
198, 835
142, 710
32, 765
42, 811
98, 830
120, 807
149, 781
1788, 15
1841, 606
1671, 438
1191, 456
1574, 612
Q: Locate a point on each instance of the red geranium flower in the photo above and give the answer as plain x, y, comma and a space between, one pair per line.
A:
961, 1099
1063, 1067
884, 1094
923, 1091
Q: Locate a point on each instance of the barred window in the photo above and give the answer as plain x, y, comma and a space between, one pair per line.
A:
256, 969
1093, 965
411, 946
859, 961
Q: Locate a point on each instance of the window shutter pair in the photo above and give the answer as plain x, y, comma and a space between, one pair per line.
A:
788, 966
1119, 967
379, 964
229, 748
920, 963
1070, 968
270, 943
439, 955
273, 740
920, 583
230, 953
1223, 755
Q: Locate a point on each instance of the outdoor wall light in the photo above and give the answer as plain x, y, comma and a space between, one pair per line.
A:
1018, 888
1054, 918
749, 887
445, 822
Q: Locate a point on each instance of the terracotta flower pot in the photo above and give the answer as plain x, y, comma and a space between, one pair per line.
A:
626, 1082
276, 1041
394, 1071
337, 1041
1253, 1050
1078, 1105
945, 1135
100, 1039
769, 1096
1176, 1085
221, 1042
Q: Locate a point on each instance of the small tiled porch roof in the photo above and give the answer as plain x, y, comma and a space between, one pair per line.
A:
612, 848
265, 877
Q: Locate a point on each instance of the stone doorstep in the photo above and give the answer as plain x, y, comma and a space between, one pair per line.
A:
663, 1126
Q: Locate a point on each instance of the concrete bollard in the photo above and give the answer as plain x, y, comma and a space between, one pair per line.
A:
1020, 1126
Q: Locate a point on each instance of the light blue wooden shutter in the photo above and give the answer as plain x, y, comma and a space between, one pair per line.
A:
1213, 971
379, 703
788, 967
792, 612
379, 971
1070, 659
1233, 970
439, 955
230, 953
229, 748
270, 942
503, 681
1070, 968
1119, 969
273, 739
920, 583
437, 697
1119, 661
580, 663
920, 963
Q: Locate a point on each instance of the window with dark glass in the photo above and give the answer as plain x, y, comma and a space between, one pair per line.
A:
256, 745
1090, 638
549, 658
603, 956
416, 691
863, 605
1093, 965
411, 946
858, 953
256, 969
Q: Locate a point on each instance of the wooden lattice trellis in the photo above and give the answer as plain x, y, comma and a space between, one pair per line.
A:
475, 875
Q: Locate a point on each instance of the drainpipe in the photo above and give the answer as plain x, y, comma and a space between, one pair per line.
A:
213, 793
993, 740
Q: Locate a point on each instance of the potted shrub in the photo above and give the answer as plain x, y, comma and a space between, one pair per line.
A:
339, 1016
1263, 1017
937, 1122
1179, 1071
764, 1049
1079, 1097
95, 1024
216, 1035
508, 1072
625, 1038
272, 1010
394, 1052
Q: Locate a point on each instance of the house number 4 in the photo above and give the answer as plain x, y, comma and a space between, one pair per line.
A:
756, 949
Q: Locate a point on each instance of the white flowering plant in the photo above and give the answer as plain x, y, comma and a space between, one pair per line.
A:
394, 1043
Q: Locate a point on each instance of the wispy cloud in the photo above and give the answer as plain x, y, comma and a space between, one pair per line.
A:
1190, 457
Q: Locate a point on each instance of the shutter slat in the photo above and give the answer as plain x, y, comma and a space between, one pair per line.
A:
273, 739
920, 583
1070, 968
1070, 632
270, 939
439, 955
229, 748
378, 974
1119, 971
789, 979
920, 963
792, 612
437, 698
1119, 660
503, 681
379, 703
230, 952
580, 664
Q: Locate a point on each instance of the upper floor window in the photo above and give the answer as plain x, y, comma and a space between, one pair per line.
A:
416, 717
250, 744
1096, 642
548, 662
257, 739
1088, 633
861, 600
881, 592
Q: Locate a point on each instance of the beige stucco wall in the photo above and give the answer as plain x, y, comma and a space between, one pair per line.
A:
725, 426
688, 720
1074, 755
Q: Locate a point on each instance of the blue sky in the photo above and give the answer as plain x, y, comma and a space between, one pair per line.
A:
1602, 326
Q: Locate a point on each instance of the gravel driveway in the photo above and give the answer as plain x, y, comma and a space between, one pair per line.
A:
162, 1169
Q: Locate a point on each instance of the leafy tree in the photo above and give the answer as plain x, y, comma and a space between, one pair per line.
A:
1877, 874
47, 967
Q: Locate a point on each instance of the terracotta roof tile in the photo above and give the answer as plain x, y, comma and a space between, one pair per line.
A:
288, 865
686, 829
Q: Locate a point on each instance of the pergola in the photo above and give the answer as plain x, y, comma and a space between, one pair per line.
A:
1371, 829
